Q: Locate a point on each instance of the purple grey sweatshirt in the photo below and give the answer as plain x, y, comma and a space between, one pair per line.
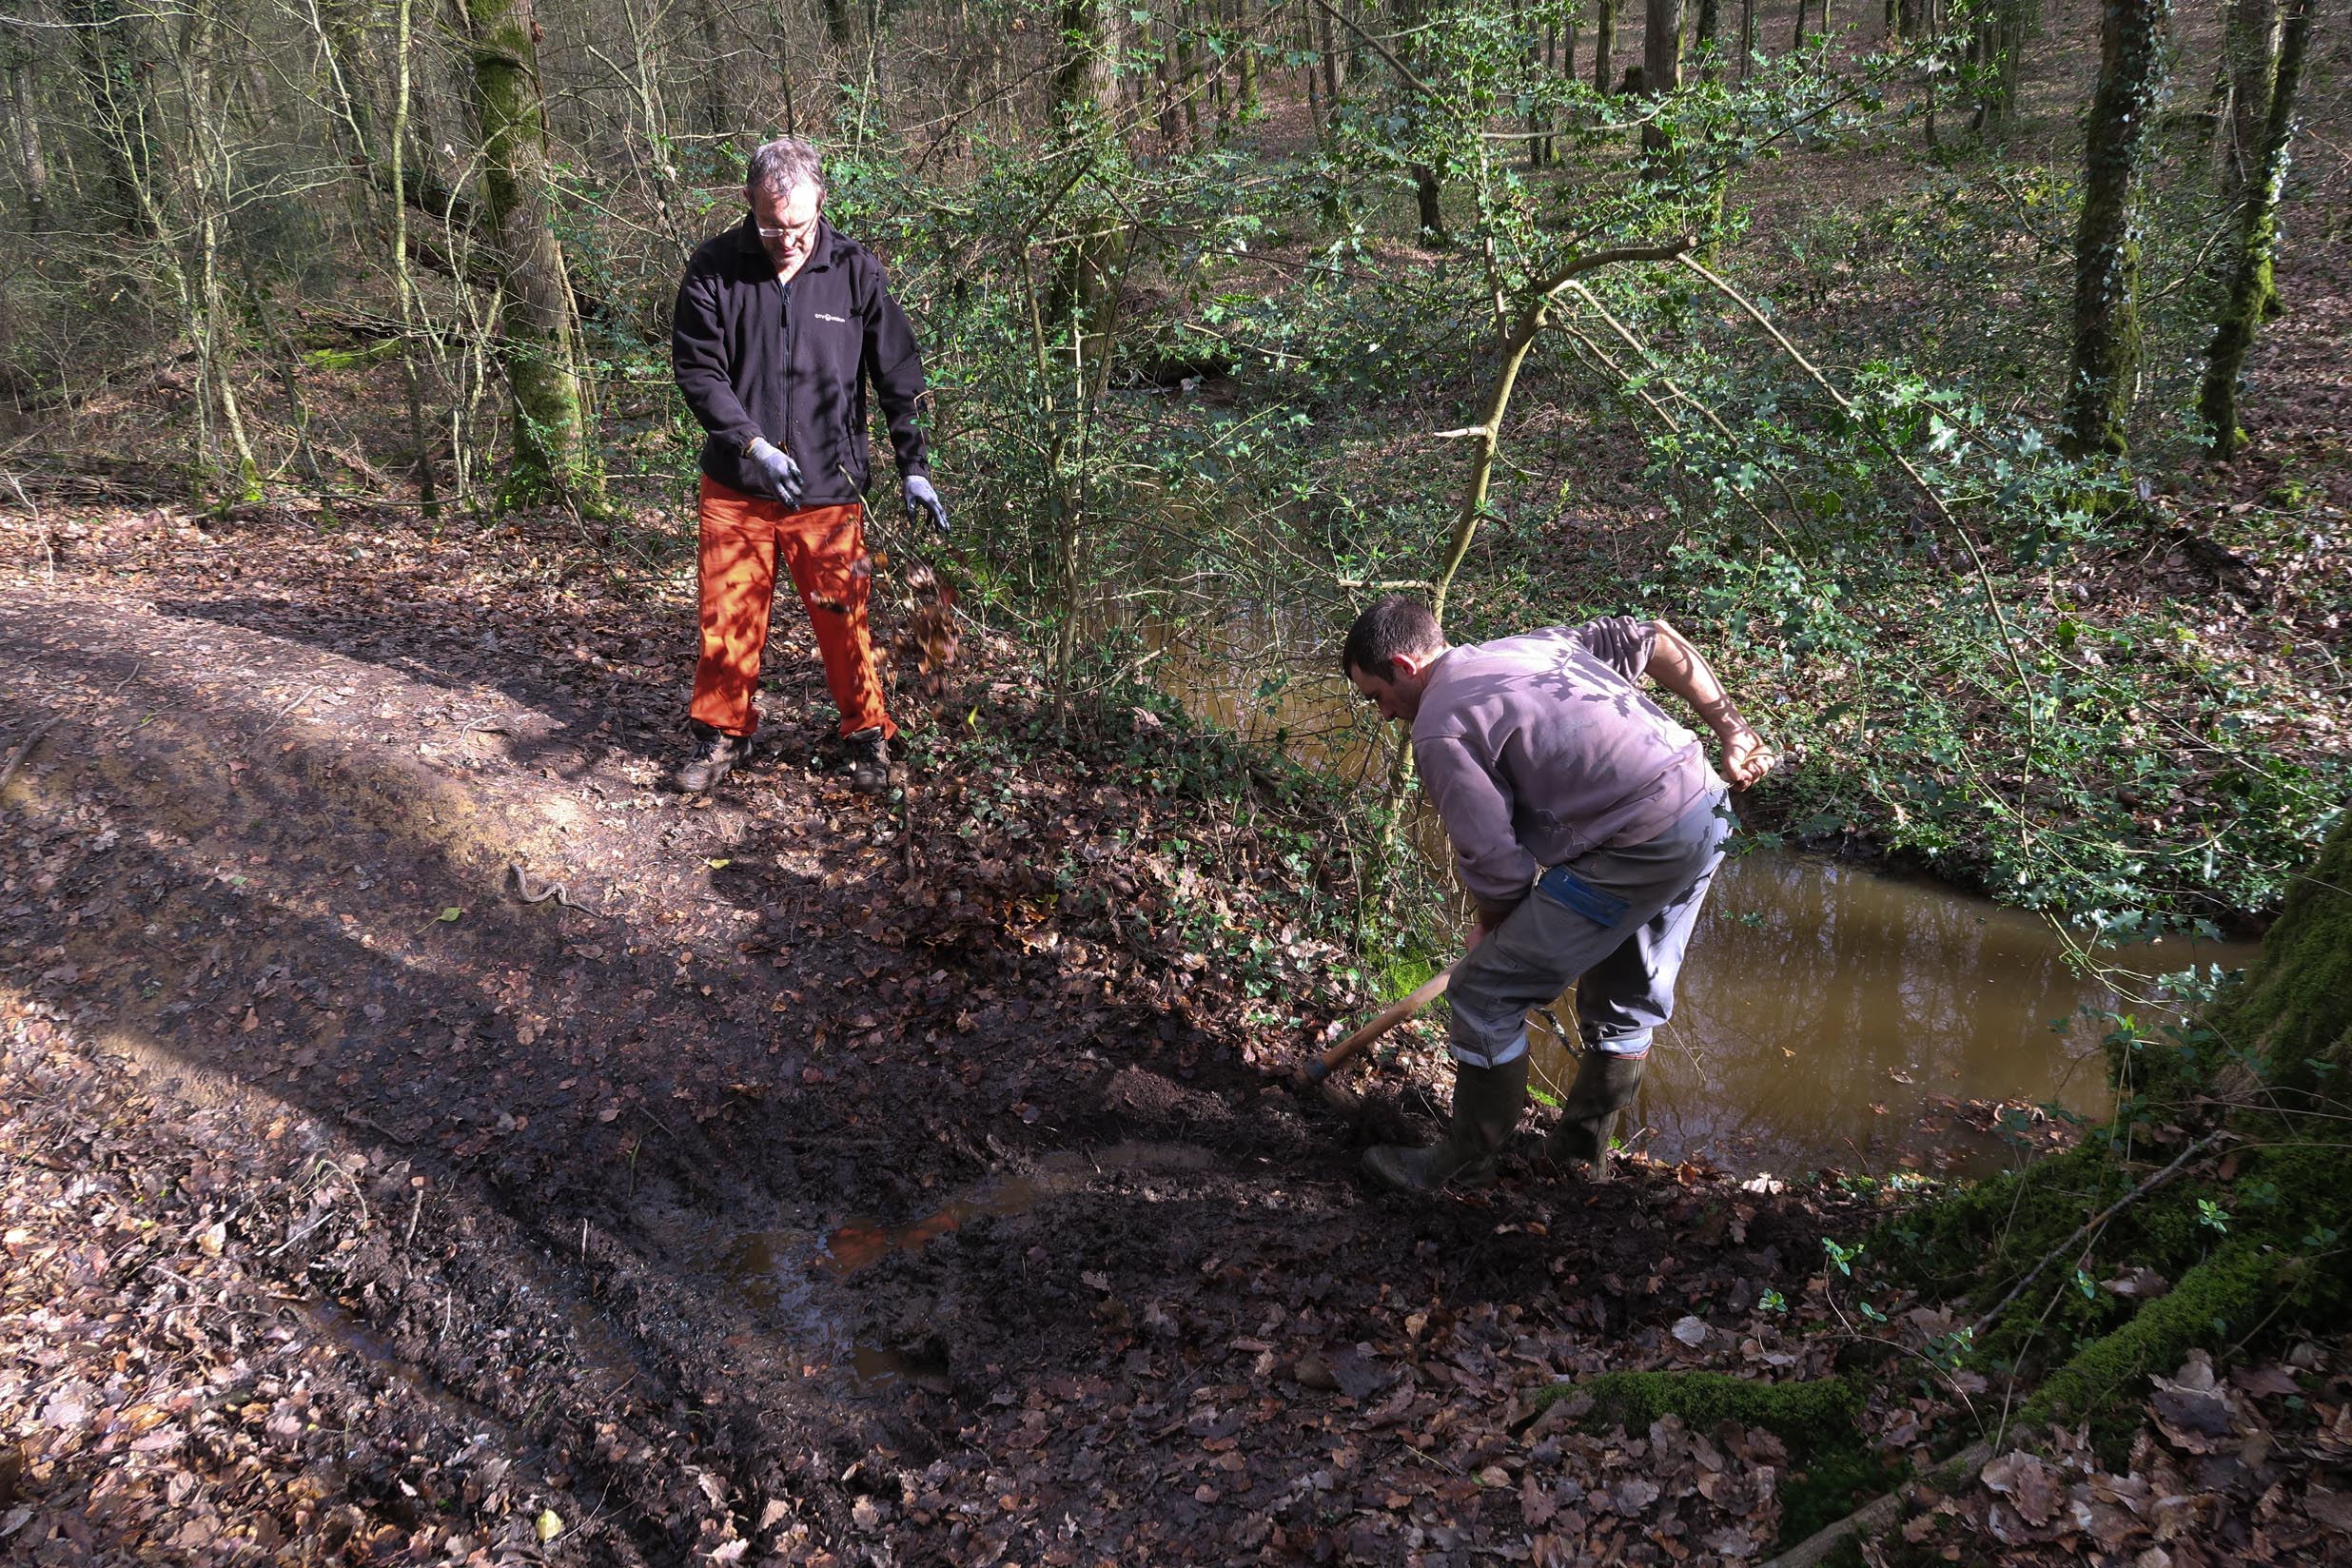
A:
1538, 748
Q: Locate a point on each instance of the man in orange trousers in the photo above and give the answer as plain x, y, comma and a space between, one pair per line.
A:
781, 321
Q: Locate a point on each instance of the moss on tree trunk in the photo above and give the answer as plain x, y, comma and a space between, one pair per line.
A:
2251, 288
2106, 245
541, 345
2295, 1009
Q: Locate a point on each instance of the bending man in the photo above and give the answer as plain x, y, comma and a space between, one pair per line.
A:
780, 324
1587, 825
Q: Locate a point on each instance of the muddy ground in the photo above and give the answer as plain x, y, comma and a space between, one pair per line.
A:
818, 1179
473, 1213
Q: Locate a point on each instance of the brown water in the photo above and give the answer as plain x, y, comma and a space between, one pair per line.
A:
1829, 1015
1836, 1016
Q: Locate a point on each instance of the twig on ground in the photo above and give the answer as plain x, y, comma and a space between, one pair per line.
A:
24, 751
537, 896
1976, 1331
279, 717
1876, 1515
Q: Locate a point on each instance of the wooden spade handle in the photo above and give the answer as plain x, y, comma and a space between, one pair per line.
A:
1396, 1013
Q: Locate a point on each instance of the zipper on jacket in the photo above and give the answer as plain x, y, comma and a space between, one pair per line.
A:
785, 318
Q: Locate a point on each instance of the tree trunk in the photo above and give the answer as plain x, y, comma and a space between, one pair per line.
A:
1087, 91
2258, 233
2250, 54
31, 159
1428, 202
1661, 66
1219, 98
1082, 305
1710, 23
2000, 41
110, 79
1796, 39
1330, 58
1604, 45
715, 113
780, 50
2106, 251
2295, 1008
404, 283
1246, 64
540, 350
1189, 73
200, 197
1310, 62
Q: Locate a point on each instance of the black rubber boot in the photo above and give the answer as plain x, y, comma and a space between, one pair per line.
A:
715, 755
1605, 1084
868, 753
1486, 1108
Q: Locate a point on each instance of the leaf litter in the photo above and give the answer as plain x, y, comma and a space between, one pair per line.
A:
331, 1237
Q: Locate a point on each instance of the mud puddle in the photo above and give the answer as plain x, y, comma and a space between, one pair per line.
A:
793, 1279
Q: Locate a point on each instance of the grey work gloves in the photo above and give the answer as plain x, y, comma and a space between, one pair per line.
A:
771, 472
922, 500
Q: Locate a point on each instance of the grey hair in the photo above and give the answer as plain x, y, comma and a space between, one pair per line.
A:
784, 164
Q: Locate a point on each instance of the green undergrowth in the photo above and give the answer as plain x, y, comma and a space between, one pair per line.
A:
1794, 1412
351, 358
1834, 1471
2245, 1248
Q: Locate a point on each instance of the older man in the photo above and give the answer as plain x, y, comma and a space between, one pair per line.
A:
780, 324
1586, 824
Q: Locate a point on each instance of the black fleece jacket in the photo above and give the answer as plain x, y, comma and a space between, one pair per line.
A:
751, 366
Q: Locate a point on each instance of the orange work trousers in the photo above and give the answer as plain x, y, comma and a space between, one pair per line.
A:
824, 548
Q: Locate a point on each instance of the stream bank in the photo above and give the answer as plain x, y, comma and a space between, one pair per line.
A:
268, 969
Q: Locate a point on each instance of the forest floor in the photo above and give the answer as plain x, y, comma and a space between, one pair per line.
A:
821, 1179
832, 1180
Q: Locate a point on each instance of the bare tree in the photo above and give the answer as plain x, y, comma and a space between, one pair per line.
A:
16, 65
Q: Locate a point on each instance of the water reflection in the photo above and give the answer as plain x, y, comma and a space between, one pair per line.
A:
1830, 1015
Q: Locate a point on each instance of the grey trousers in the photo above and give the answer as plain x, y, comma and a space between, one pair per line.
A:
1614, 922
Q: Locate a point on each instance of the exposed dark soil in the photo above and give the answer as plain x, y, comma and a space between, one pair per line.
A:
467, 1163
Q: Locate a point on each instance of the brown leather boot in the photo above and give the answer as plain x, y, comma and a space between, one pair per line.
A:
715, 755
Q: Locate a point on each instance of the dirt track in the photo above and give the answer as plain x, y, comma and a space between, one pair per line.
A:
568, 1173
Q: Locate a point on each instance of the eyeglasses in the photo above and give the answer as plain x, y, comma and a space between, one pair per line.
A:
800, 233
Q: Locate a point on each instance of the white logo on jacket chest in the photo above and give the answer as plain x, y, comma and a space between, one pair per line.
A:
838, 321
